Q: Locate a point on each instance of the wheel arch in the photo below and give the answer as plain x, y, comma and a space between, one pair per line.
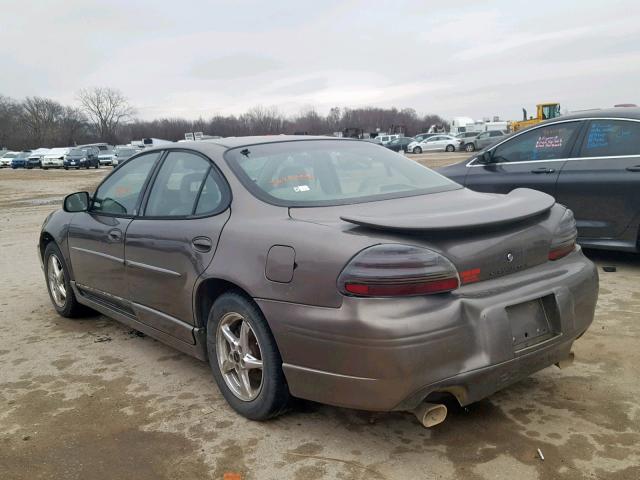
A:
45, 239
206, 294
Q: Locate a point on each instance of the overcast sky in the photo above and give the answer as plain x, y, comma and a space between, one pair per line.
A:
194, 59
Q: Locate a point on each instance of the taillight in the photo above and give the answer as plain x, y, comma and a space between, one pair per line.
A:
394, 270
564, 238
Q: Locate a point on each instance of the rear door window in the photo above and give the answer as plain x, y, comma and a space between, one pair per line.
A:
550, 142
177, 185
611, 138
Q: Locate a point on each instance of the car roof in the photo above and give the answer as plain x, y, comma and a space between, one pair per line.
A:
618, 112
235, 142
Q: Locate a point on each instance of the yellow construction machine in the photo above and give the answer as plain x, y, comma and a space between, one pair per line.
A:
544, 111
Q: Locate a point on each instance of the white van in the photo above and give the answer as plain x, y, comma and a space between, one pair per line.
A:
384, 138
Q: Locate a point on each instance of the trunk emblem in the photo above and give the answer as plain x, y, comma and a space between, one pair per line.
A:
509, 257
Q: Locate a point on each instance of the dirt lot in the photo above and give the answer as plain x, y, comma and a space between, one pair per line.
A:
89, 399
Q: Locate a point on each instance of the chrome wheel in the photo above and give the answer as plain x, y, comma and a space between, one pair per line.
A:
239, 356
55, 275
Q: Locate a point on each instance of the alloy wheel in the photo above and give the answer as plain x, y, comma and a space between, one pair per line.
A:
55, 275
239, 356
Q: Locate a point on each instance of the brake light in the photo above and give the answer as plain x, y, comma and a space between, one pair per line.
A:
394, 270
564, 238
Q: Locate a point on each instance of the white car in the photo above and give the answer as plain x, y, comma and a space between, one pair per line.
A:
106, 157
437, 143
55, 158
5, 160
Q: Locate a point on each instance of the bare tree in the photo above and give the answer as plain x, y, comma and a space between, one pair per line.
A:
10, 132
37, 122
41, 117
72, 127
107, 109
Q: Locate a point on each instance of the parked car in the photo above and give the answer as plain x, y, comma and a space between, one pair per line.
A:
120, 154
55, 158
106, 157
384, 139
589, 161
78, 158
327, 269
482, 140
5, 160
464, 135
423, 136
400, 143
20, 160
35, 159
105, 154
442, 143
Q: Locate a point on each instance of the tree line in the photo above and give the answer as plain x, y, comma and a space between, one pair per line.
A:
105, 115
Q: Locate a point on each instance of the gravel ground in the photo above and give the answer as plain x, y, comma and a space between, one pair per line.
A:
89, 398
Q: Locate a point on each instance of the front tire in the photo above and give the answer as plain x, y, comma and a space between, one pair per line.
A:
469, 147
244, 358
450, 148
417, 150
58, 284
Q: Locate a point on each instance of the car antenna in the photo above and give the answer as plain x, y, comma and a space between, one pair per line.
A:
245, 152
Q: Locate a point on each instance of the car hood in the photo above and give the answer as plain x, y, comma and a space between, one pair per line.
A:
450, 210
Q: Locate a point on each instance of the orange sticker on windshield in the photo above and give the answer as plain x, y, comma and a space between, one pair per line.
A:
291, 178
123, 191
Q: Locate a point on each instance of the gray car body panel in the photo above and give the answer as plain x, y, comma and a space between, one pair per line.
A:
376, 354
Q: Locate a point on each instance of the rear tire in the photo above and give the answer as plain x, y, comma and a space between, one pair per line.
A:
228, 350
450, 148
417, 150
469, 147
58, 284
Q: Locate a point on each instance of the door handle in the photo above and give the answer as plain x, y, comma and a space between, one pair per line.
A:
543, 170
115, 234
635, 168
202, 244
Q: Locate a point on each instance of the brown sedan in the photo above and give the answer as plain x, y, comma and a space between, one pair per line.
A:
326, 269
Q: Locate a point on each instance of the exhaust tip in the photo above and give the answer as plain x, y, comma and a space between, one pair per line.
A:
430, 414
566, 362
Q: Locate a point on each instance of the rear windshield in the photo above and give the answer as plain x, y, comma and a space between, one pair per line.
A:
331, 172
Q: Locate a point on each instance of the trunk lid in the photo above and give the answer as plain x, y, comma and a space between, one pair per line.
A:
484, 235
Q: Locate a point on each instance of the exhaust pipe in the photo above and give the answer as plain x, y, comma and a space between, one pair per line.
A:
430, 414
566, 362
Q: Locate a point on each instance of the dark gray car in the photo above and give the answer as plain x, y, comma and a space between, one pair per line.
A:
589, 162
326, 269
482, 140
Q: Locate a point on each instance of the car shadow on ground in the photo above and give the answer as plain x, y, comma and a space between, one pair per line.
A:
612, 258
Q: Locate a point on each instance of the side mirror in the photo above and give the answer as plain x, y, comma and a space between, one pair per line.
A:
76, 202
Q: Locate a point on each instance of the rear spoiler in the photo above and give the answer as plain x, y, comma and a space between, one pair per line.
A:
519, 204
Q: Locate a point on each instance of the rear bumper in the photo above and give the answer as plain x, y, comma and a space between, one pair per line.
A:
389, 354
